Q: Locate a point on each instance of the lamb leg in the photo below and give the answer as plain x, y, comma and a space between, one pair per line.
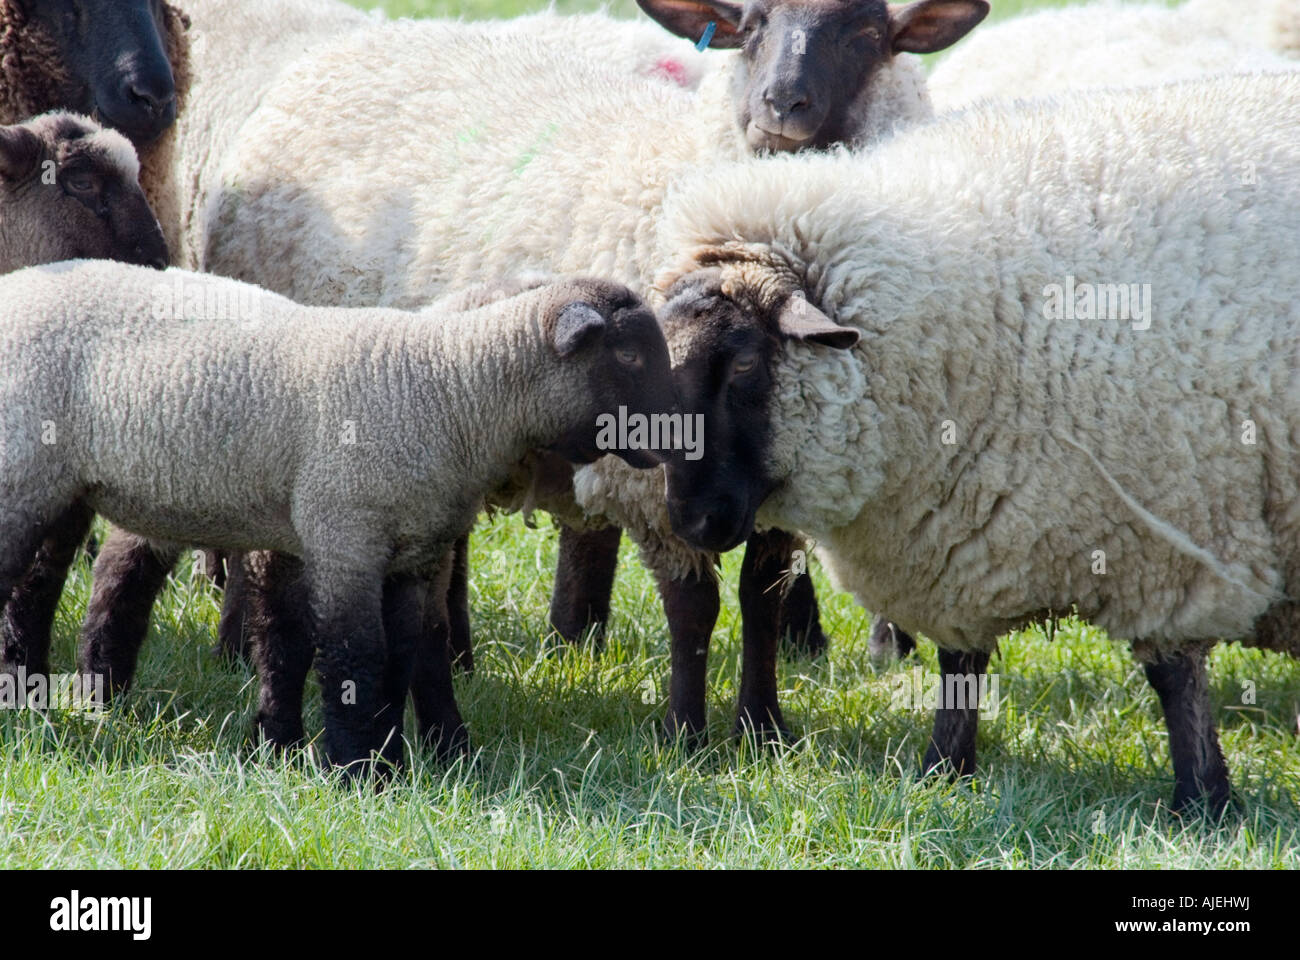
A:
952, 744
1200, 772
767, 558
691, 605
29, 614
462, 643
128, 575
584, 580
437, 715
276, 628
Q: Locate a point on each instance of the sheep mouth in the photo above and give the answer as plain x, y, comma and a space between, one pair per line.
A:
760, 138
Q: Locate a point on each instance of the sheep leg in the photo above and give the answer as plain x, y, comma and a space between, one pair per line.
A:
347, 618
1200, 772
29, 614
762, 579
128, 575
462, 643
801, 629
274, 619
232, 630
404, 617
584, 581
952, 744
691, 605
438, 717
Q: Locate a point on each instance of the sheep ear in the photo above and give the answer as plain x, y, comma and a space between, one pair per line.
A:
690, 18
800, 320
20, 150
575, 327
928, 26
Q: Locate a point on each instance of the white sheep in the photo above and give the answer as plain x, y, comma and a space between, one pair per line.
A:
191, 409
1105, 44
990, 453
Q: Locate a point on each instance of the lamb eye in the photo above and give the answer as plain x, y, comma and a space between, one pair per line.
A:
871, 33
744, 364
629, 358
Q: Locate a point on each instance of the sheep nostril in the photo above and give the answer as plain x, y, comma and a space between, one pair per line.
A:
152, 103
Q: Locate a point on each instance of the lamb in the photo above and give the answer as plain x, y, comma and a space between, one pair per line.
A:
976, 457
1105, 44
69, 188
376, 434
471, 192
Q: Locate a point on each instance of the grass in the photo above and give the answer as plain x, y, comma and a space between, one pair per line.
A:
569, 770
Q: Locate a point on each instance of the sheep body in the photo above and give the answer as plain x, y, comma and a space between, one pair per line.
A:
1074, 436
1103, 44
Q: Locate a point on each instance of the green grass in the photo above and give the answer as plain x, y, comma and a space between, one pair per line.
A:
569, 770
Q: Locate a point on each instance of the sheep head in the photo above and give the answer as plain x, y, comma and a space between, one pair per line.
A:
805, 64
69, 189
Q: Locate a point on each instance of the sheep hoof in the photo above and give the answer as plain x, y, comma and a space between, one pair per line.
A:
803, 644
937, 764
690, 734
1212, 804
450, 741
769, 732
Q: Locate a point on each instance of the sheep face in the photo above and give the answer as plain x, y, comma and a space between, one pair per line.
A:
806, 64
114, 52
69, 189
726, 340
609, 331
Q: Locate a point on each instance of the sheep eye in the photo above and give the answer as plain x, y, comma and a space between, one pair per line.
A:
81, 184
744, 364
629, 358
871, 33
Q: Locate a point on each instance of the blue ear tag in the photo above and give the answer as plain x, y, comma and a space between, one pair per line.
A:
708, 35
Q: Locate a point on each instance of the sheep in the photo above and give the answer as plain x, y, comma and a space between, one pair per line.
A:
360, 442
971, 461
1103, 44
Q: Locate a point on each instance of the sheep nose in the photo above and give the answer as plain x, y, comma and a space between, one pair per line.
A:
152, 101
784, 102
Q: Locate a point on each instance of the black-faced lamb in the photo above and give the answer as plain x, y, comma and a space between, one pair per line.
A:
360, 442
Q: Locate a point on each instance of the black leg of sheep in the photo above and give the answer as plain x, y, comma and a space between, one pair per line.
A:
762, 586
1200, 772
801, 628
437, 715
584, 580
952, 744
29, 615
273, 599
128, 575
692, 606
462, 643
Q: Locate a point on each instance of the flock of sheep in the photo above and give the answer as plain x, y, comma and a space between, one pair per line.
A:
423, 258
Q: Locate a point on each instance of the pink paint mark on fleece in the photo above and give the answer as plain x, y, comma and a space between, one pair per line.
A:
674, 71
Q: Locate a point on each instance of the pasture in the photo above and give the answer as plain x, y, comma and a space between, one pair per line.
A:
570, 768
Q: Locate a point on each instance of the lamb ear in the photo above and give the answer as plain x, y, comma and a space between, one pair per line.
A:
928, 26
690, 18
800, 320
20, 150
575, 327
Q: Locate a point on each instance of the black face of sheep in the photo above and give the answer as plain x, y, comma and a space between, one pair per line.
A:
115, 53
69, 190
806, 63
629, 372
725, 376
